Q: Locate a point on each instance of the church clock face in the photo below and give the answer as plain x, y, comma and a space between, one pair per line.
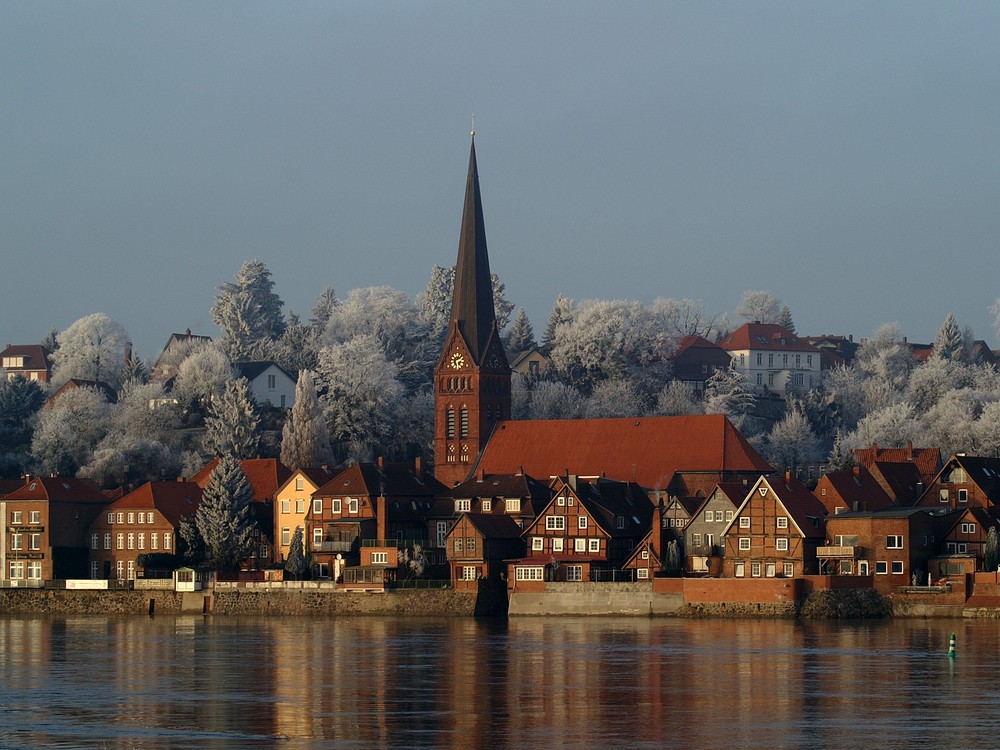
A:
457, 361
494, 361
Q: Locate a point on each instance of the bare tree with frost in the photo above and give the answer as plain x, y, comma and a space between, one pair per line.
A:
92, 348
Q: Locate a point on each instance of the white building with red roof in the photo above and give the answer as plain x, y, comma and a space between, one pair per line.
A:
773, 359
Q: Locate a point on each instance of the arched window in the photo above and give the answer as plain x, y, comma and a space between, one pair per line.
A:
464, 422
450, 417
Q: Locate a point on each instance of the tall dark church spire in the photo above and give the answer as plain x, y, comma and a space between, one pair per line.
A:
472, 304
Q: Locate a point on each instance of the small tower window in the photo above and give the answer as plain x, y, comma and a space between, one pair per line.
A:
464, 426
451, 423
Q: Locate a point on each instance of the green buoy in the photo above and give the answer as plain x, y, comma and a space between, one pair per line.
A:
951, 647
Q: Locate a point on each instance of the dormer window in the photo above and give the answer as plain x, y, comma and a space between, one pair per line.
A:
463, 506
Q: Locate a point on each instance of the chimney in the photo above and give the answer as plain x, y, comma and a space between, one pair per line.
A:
381, 463
380, 519
909, 449
656, 538
857, 471
788, 478
418, 468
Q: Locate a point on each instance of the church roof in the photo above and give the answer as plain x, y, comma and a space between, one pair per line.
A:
472, 305
647, 450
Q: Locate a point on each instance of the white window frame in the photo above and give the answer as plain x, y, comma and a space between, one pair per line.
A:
781, 522
352, 505
555, 523
755, 570
744, 522
881, 568
574, 572
781, 544
581, 522
894, 541
537, 543
487, 506
336, 505
788, 570
463, 506
380, 558
740, 570
642, 573
897, 568
580, 544
594, 545
744, 543
318, 506
529, 573
557, 544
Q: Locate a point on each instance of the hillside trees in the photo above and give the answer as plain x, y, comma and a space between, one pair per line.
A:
20, 400
248, 312
92, 348
224, 520
761, 307
232, 422
69, 430
305, 439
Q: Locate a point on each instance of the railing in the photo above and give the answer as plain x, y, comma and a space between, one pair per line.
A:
331, 546
397, 543
419, 583
836, 552
612, 576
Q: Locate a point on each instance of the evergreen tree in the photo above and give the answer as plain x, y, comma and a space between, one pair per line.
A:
785, 319
728, 391
840, 456
248, 312
224, 518
522, 337
296, 562
323, 309
231, 425
950, 343
305, 438
674, 562
20, 400
194, 545
563, 312
992, 551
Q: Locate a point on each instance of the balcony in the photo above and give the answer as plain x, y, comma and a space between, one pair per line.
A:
836, 552
332, 546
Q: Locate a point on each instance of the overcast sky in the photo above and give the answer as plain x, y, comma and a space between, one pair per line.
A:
843, 155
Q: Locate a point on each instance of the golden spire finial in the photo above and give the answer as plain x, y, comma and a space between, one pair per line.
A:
473, 133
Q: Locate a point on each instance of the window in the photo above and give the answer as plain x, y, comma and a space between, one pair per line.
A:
863, 568
17, 541
962, 548
581, 522
469, 572
166, 541
740, 570
34, 516
111, 518
286, 536
642, 573
894, 542
769, 570
781, 522
561, 500
760, 358
968, 528
620, 522
459, 544
286, 506
34, 542
760, 378
943, 495
352, 505
645, 554
709, 516
300, 483
537, 543
593, 545
119, 518
513, 505
574, 572
963, 496
300, 505
141, 541
149, 517
15, 517
154, 539
380, 558
131, 517
270, 381
781, 544
120, 541
131, 570
95, 541
557, 544
744, 542
131, 541
555, 523
487, 506
529, 574
442, 532
318, 506
788, 570
579, 544
881, 567
450, 419
335, 505
744, 522
463, 506
317, 536
696, 540
729, 515
17, 570
107, 540
463, 418
755, 570
897, 567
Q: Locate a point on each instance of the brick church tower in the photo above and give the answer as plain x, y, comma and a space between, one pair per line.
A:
472, 376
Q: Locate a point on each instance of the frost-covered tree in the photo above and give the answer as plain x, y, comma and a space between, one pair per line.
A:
885, 357
686, 317
674, 563
295, 565
950, 423
360, 396
92, 348
413, 562
931, 381
501, 305
891, 427
678, 399
193, 545
322, 311
232, 422
554, 400
991, 553
69, 430
202, 376
728, 391
248, 311
761, 307
840, 456
20, 400
563, 312
950, 343
435, 301
296, 349
785, 319
522, 336
414, 433
987, 430
791, 443
305, 439
224, 518
615, 398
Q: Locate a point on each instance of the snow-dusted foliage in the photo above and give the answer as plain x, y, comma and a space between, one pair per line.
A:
891, 427
202, 376
885, 357
563, 312
20, 400
360, 395
785, 319
435, 301
305, 439
791, 443
413, 562
615, 398
69, 430
232, 422
92, 348
613, 339
322, 311
687, 317
761, 307
728, 391
248, 312
296, 349
950, 342
678, 399
551, 399
522, 336
224, 519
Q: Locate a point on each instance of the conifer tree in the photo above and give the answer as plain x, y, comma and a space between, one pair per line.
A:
785, 319
992, 551
950, 343
296, 562
305, 438
248, 312
231, 425
522, 337
323, 310
224, 519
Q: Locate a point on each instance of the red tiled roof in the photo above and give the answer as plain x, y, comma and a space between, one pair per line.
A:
266, 475
856, 485
394, 480
495, 526
647, 450
904, 482
36, 357
59, 488
927, 460
175, 500
765, 336
696, 342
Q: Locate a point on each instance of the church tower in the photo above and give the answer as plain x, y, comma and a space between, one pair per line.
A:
472, 376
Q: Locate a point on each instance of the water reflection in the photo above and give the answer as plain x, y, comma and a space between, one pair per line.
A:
182, 682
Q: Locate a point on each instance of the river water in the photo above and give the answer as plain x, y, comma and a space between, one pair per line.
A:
191, 682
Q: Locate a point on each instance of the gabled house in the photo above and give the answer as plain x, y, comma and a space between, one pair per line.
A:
269, 383
775, 531
964, 482
893, 545
851, 489
30, 361
532, 363
519, 496
178, 346
703, 533
773, 359
967, 534
586, 532
478, 544
677, 514
696, 360
901, 481
144, 522
291, 506
927, 460
74, 383
650, 555
44, 524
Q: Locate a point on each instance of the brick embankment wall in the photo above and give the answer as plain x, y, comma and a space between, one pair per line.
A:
62, 602
595, 599
756, 610
417, 602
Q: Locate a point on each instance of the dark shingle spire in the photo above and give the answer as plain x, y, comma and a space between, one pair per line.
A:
472, 304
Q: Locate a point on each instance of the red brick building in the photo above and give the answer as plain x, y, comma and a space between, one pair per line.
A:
851, 489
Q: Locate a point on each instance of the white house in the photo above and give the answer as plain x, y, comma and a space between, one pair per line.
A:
773, 359
269, 383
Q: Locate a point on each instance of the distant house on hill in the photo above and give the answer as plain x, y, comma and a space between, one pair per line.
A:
697, 359
31, 361
269, 383
74, 383
774, 359
177, 346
